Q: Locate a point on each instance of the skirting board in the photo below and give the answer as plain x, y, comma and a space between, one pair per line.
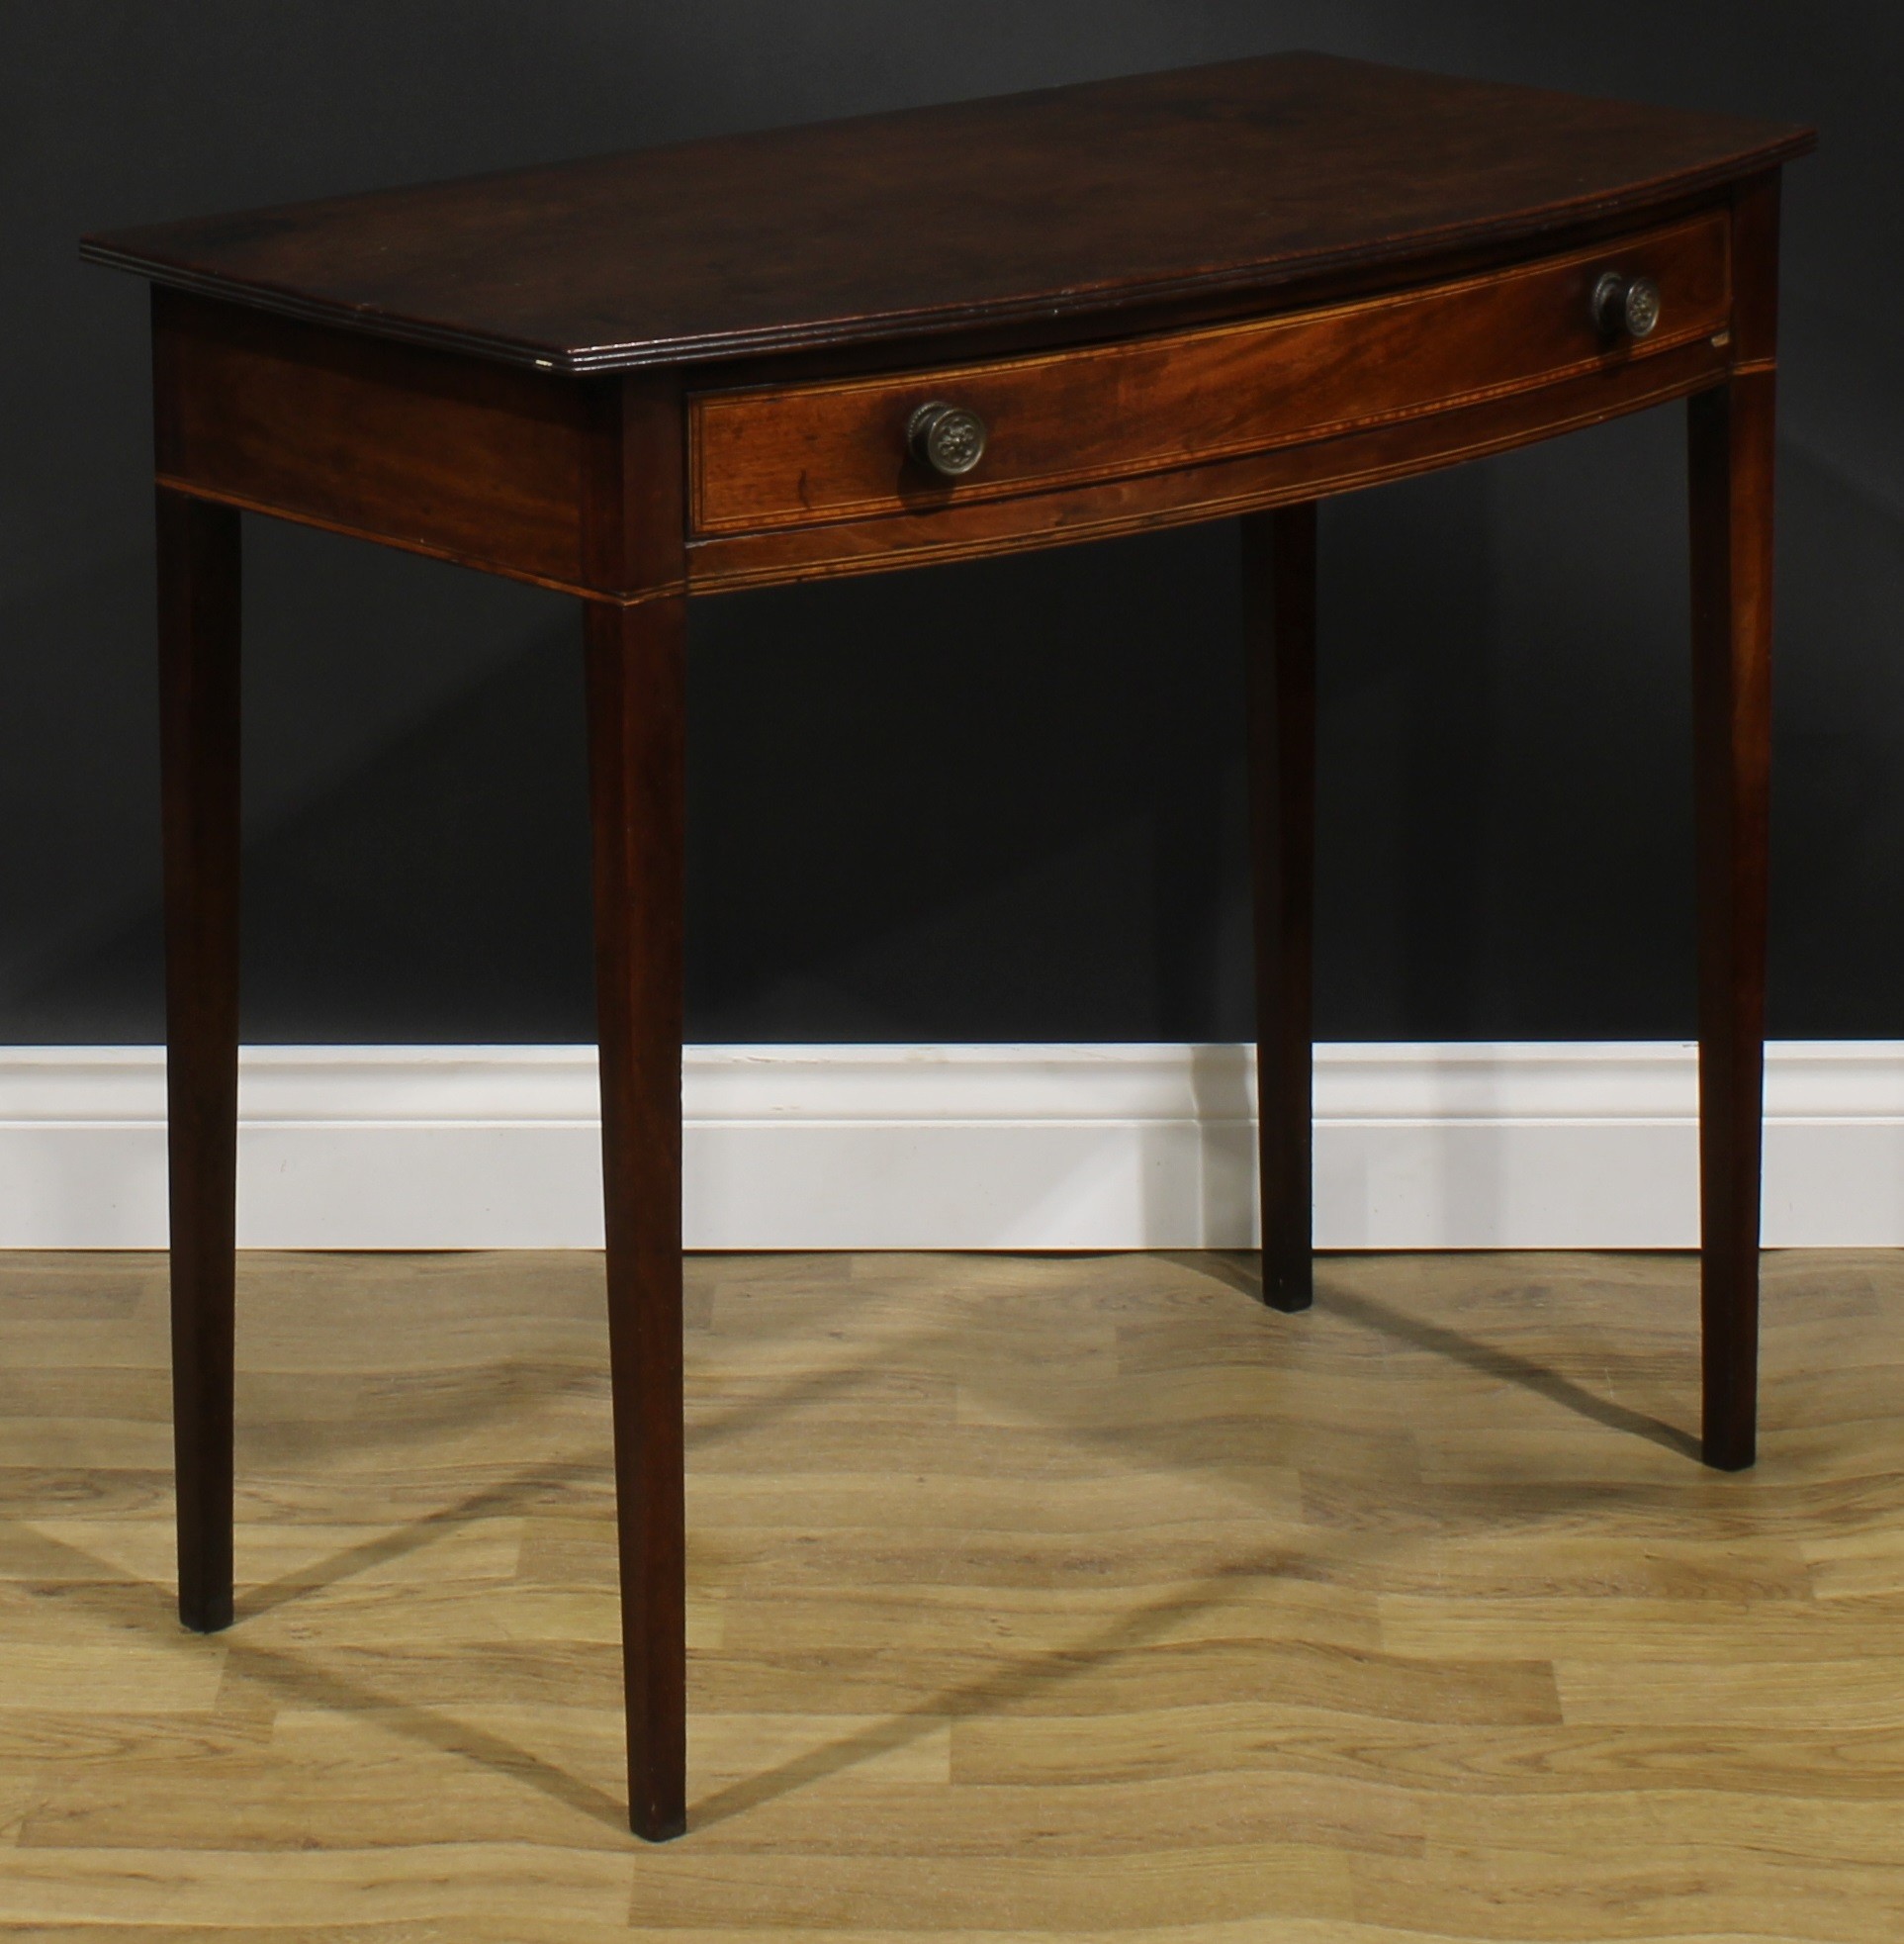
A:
1552, 1145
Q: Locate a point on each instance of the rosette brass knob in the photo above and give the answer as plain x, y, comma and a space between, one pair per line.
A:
1625, 306
947, 439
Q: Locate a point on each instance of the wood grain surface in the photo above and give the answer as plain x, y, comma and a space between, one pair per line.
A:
1732, 463
1057, 1597
637, 689
199, 628
766, 457
956, 527
453, 457
1249, 175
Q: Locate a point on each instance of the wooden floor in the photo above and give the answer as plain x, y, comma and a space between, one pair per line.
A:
1030, 1597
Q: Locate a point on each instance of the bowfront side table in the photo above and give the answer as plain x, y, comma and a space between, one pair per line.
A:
928, 336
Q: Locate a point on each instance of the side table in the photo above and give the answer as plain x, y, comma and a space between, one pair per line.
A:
928, 336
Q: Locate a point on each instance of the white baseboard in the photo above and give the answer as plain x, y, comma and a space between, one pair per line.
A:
1552, 1145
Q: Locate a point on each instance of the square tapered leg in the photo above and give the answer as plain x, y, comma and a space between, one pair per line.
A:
1279, 616
198, 636
1731, 470
635, 667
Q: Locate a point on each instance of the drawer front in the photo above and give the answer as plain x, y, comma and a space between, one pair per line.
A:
766, 457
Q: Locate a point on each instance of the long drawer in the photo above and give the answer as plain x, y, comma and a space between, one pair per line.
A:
766, 457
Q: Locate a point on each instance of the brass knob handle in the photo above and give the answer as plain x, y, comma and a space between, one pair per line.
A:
948, 440
1625, 306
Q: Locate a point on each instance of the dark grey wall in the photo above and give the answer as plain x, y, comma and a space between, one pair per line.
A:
992, 801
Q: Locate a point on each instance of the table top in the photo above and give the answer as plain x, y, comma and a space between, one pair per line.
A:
1097, 198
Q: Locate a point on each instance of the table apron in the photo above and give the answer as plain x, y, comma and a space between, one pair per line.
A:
1314, 469
598, 487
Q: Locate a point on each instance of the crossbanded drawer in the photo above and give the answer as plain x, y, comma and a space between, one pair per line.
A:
764, 457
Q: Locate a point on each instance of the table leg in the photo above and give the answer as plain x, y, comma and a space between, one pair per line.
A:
636, 665
1729, 451
198, 642
1278, 618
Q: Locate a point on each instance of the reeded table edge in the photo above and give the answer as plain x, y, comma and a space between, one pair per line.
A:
1273, 275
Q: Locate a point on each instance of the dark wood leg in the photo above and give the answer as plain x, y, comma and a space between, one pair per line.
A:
198, 645
637, 760
1731, 473
1279, 615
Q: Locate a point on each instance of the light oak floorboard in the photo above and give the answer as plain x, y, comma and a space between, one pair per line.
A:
1029, 1598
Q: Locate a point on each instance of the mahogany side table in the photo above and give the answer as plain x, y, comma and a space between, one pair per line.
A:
926, 337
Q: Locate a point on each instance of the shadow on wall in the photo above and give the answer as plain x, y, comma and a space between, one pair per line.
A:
78, 786
989, 801
357, 661
975, 803
423, 894
1838, 782
1000, 800
992, 801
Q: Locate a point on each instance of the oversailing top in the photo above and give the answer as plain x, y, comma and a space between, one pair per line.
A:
1252, 174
